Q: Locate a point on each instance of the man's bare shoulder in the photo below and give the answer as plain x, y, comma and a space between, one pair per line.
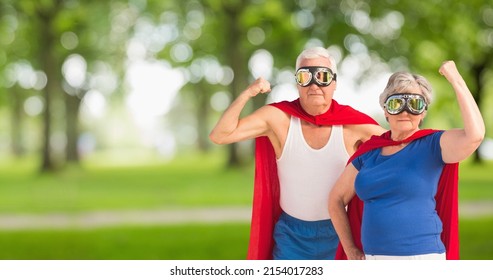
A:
277, 125
363, 132
356, 134
374, 129
272, 113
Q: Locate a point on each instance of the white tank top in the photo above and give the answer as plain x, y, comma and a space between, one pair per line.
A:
306, 175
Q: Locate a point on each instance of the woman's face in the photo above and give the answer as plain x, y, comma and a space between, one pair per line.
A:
406, 121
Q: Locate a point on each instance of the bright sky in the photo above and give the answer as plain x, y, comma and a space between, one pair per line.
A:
152, 89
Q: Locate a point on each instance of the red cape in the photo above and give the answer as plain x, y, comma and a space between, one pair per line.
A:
447, 198
266, 193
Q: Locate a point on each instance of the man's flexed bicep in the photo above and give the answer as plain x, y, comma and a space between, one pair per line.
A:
249, 127
230, 128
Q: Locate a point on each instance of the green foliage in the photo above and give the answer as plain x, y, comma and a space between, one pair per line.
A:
400, 33
430, 32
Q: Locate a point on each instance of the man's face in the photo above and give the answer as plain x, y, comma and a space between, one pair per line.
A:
315, 94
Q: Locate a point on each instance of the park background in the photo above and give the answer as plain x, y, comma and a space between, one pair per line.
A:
106, 106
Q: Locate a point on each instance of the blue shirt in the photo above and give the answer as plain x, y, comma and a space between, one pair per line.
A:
398, 191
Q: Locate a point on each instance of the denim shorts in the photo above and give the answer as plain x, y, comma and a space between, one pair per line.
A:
295, 239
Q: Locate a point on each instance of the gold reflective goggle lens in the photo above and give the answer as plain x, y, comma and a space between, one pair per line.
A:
303, 77
412, 103
322, 76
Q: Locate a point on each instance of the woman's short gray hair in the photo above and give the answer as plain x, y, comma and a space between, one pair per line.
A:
401, 82
316, 52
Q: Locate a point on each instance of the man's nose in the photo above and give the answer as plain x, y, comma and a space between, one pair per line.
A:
314, 85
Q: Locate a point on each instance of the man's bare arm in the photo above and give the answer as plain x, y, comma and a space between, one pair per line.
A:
230, 128
357, 134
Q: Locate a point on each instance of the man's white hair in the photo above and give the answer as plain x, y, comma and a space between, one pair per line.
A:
317, 52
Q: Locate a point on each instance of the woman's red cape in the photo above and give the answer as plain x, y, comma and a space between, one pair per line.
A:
446, 198
266, 208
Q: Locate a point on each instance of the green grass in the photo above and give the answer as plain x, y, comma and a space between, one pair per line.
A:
190, 182
475, 238
476, 181
188, 242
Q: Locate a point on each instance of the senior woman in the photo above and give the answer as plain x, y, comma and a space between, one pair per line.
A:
406, 177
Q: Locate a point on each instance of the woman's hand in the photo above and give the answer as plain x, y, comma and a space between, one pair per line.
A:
449, 70
354, 254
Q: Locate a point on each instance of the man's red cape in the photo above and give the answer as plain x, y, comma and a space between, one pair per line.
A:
266, 208
446, 198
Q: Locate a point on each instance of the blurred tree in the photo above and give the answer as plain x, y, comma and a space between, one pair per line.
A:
240, 29
421, 35
16, 99
85, 32
72, 39
222, 37
41, 17
16, 71
213, 42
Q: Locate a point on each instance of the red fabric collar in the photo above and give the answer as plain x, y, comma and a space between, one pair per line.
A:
266, 208
447, 198
336, 115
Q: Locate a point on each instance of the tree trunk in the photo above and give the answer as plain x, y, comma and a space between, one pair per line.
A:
48, 65
16, 122
202, 116
238, 62
72, 106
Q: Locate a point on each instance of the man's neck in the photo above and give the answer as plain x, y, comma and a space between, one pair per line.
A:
316, 110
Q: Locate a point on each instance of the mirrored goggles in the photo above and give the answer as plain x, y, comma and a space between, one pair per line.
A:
412, 103
322, 76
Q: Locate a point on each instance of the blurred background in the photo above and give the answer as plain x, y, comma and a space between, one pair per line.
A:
106, 107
